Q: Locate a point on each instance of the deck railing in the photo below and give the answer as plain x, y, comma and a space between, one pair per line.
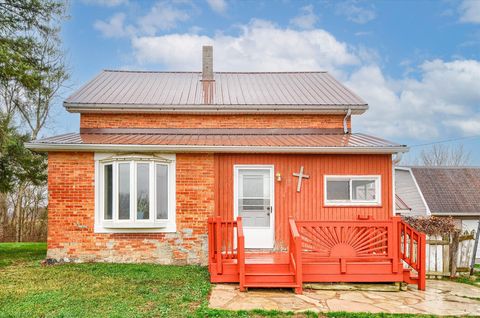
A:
412, 245
225, 241
295, 255
322, 242
347, 239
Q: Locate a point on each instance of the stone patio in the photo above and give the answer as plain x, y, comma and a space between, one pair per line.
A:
440, 298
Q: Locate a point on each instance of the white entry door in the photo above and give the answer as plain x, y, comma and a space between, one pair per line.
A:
254, 203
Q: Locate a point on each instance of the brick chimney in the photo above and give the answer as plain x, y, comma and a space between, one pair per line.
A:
207, 63
208, 82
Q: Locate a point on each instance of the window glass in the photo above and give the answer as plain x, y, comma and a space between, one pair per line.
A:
162, 191
338, 190
143, 200
124, 191
363, 190
108, 191
252, 186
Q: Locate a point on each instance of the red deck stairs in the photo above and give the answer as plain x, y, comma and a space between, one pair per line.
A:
320, 251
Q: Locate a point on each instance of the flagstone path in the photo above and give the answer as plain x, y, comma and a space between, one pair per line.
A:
440, 298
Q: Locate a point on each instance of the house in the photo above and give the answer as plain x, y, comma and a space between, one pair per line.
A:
257, 175
440, 191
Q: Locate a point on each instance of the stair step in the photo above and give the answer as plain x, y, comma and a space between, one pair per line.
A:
269, 274
272, 285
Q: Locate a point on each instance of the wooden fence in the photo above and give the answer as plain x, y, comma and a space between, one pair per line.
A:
438, 254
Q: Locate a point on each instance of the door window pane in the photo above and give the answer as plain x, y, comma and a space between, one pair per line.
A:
363, 190
124, 191
252, 186
338, 190
254, 197
108, 191
143, 206
162, 191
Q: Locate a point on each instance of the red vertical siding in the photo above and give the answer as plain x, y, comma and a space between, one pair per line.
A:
308, 204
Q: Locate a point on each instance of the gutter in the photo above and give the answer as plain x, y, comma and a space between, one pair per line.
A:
226, 149
215, 109
446, 214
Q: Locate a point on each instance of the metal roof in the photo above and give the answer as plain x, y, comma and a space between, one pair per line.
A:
238, 92
450, 190
219, 140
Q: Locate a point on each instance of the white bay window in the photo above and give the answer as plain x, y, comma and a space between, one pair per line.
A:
359, 190
135, 193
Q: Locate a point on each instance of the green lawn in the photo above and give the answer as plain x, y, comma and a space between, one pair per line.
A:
95, 290
110, 290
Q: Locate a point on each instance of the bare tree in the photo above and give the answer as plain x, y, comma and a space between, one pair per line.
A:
34, 104
442, 155
9, 91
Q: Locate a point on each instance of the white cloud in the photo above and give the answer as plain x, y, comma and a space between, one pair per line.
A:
114, 27
259, 46
174, 51
106, 3
444, 100
306, 19
162, 16
354, 12
470, 11
219, 6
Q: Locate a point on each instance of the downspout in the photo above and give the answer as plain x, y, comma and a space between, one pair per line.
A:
397, 158
345, 126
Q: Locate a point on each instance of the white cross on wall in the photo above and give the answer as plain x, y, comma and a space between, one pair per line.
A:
300, 176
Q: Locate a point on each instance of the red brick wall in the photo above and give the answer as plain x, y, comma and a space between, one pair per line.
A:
209, 121
71, 217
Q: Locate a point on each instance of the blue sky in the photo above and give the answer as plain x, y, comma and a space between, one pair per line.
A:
417, 63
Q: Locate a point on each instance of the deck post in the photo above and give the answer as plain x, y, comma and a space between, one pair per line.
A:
218, 237
241, 254
297, 240
422, 272
394, 245
211, 243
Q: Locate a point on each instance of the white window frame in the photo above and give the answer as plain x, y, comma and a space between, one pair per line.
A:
350, 202
134, 225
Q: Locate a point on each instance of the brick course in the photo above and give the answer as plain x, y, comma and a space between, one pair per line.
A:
71, 216
209, 121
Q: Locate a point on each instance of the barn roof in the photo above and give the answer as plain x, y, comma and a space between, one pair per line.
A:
229, 92
450, 190
219, 140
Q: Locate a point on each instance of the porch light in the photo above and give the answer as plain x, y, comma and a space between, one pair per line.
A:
278, 176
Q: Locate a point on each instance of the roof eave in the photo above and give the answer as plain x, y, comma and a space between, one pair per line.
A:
357, 109
231, 149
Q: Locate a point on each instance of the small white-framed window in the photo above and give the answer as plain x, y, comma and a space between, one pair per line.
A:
134, 193
348, 190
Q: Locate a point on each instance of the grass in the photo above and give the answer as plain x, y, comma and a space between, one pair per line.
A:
475, 280
95, 290
28, 289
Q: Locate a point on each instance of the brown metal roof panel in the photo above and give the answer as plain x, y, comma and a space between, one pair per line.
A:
221, 139
179, 88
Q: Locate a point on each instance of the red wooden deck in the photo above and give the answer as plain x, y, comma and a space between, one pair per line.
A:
323, 251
